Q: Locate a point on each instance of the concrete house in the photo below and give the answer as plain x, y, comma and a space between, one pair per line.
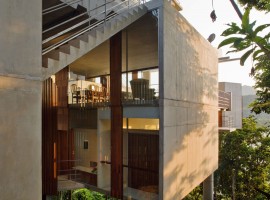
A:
117, 96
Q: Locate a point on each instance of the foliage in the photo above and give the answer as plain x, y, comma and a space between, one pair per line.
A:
247, 38
244, 163
258, 4
196, 194
82, 194
244, 167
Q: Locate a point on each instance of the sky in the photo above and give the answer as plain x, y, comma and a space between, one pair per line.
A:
197, 12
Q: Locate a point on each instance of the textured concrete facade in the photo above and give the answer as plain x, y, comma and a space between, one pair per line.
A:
189, 141
20, 102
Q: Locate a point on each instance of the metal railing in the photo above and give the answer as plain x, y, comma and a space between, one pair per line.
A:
224, 100
228, 121
104, 13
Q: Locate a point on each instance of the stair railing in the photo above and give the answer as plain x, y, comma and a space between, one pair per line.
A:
59, 6
124, 6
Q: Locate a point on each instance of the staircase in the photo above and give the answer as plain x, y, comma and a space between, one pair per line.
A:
68, 47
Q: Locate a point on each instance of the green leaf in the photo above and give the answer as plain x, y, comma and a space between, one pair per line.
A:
260, 40
233, 29
256, 53
228, 41
238, 42
245, 56
245, 20
260, 28
250, 27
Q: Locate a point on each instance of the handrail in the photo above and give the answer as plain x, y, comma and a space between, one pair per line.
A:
73, 36
87, 12
89, 27
79, 160
63, 5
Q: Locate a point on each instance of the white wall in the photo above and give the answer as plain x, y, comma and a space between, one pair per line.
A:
86, 155
188, 124
20, 102
104, 149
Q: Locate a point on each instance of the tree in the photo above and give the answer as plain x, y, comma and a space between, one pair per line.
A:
258, 4
247, 38
243, 171
244, 167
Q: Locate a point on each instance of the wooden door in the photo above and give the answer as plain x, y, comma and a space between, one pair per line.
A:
143, 160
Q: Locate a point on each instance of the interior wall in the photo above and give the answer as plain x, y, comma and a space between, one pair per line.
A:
104, 154
86, 155
140, 43
20, 102
139, 39
142, 123
189, 113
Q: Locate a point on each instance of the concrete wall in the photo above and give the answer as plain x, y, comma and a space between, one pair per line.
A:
188, 124
86, 155
233, 118
20, 102
20, 139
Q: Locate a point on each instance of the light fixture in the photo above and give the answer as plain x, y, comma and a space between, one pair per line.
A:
213, 14
211, 37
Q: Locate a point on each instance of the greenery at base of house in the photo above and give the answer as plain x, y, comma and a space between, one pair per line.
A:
82, 194
244, 164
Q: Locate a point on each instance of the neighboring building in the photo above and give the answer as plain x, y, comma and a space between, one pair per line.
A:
230, 106
125, 105
249, 96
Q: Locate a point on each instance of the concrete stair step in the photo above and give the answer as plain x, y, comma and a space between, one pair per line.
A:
74, 49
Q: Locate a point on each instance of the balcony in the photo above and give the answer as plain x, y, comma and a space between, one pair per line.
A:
138, 88
225, 123
224, 100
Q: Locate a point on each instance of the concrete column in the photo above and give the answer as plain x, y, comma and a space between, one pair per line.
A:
20, 99
208, 188
20, 138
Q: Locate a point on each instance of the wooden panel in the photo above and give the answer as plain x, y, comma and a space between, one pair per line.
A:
62, 152
116, 116
82, 118
49, 123
71, 148
219, 118
143, 160
61, 81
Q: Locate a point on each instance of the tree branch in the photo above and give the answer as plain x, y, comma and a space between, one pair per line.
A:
263, 192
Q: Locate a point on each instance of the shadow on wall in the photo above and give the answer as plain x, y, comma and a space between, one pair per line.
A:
191, 155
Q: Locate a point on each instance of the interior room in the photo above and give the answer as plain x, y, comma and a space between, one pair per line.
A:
89, 126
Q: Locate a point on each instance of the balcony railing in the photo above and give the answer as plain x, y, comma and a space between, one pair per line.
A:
224, 100
95, 92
